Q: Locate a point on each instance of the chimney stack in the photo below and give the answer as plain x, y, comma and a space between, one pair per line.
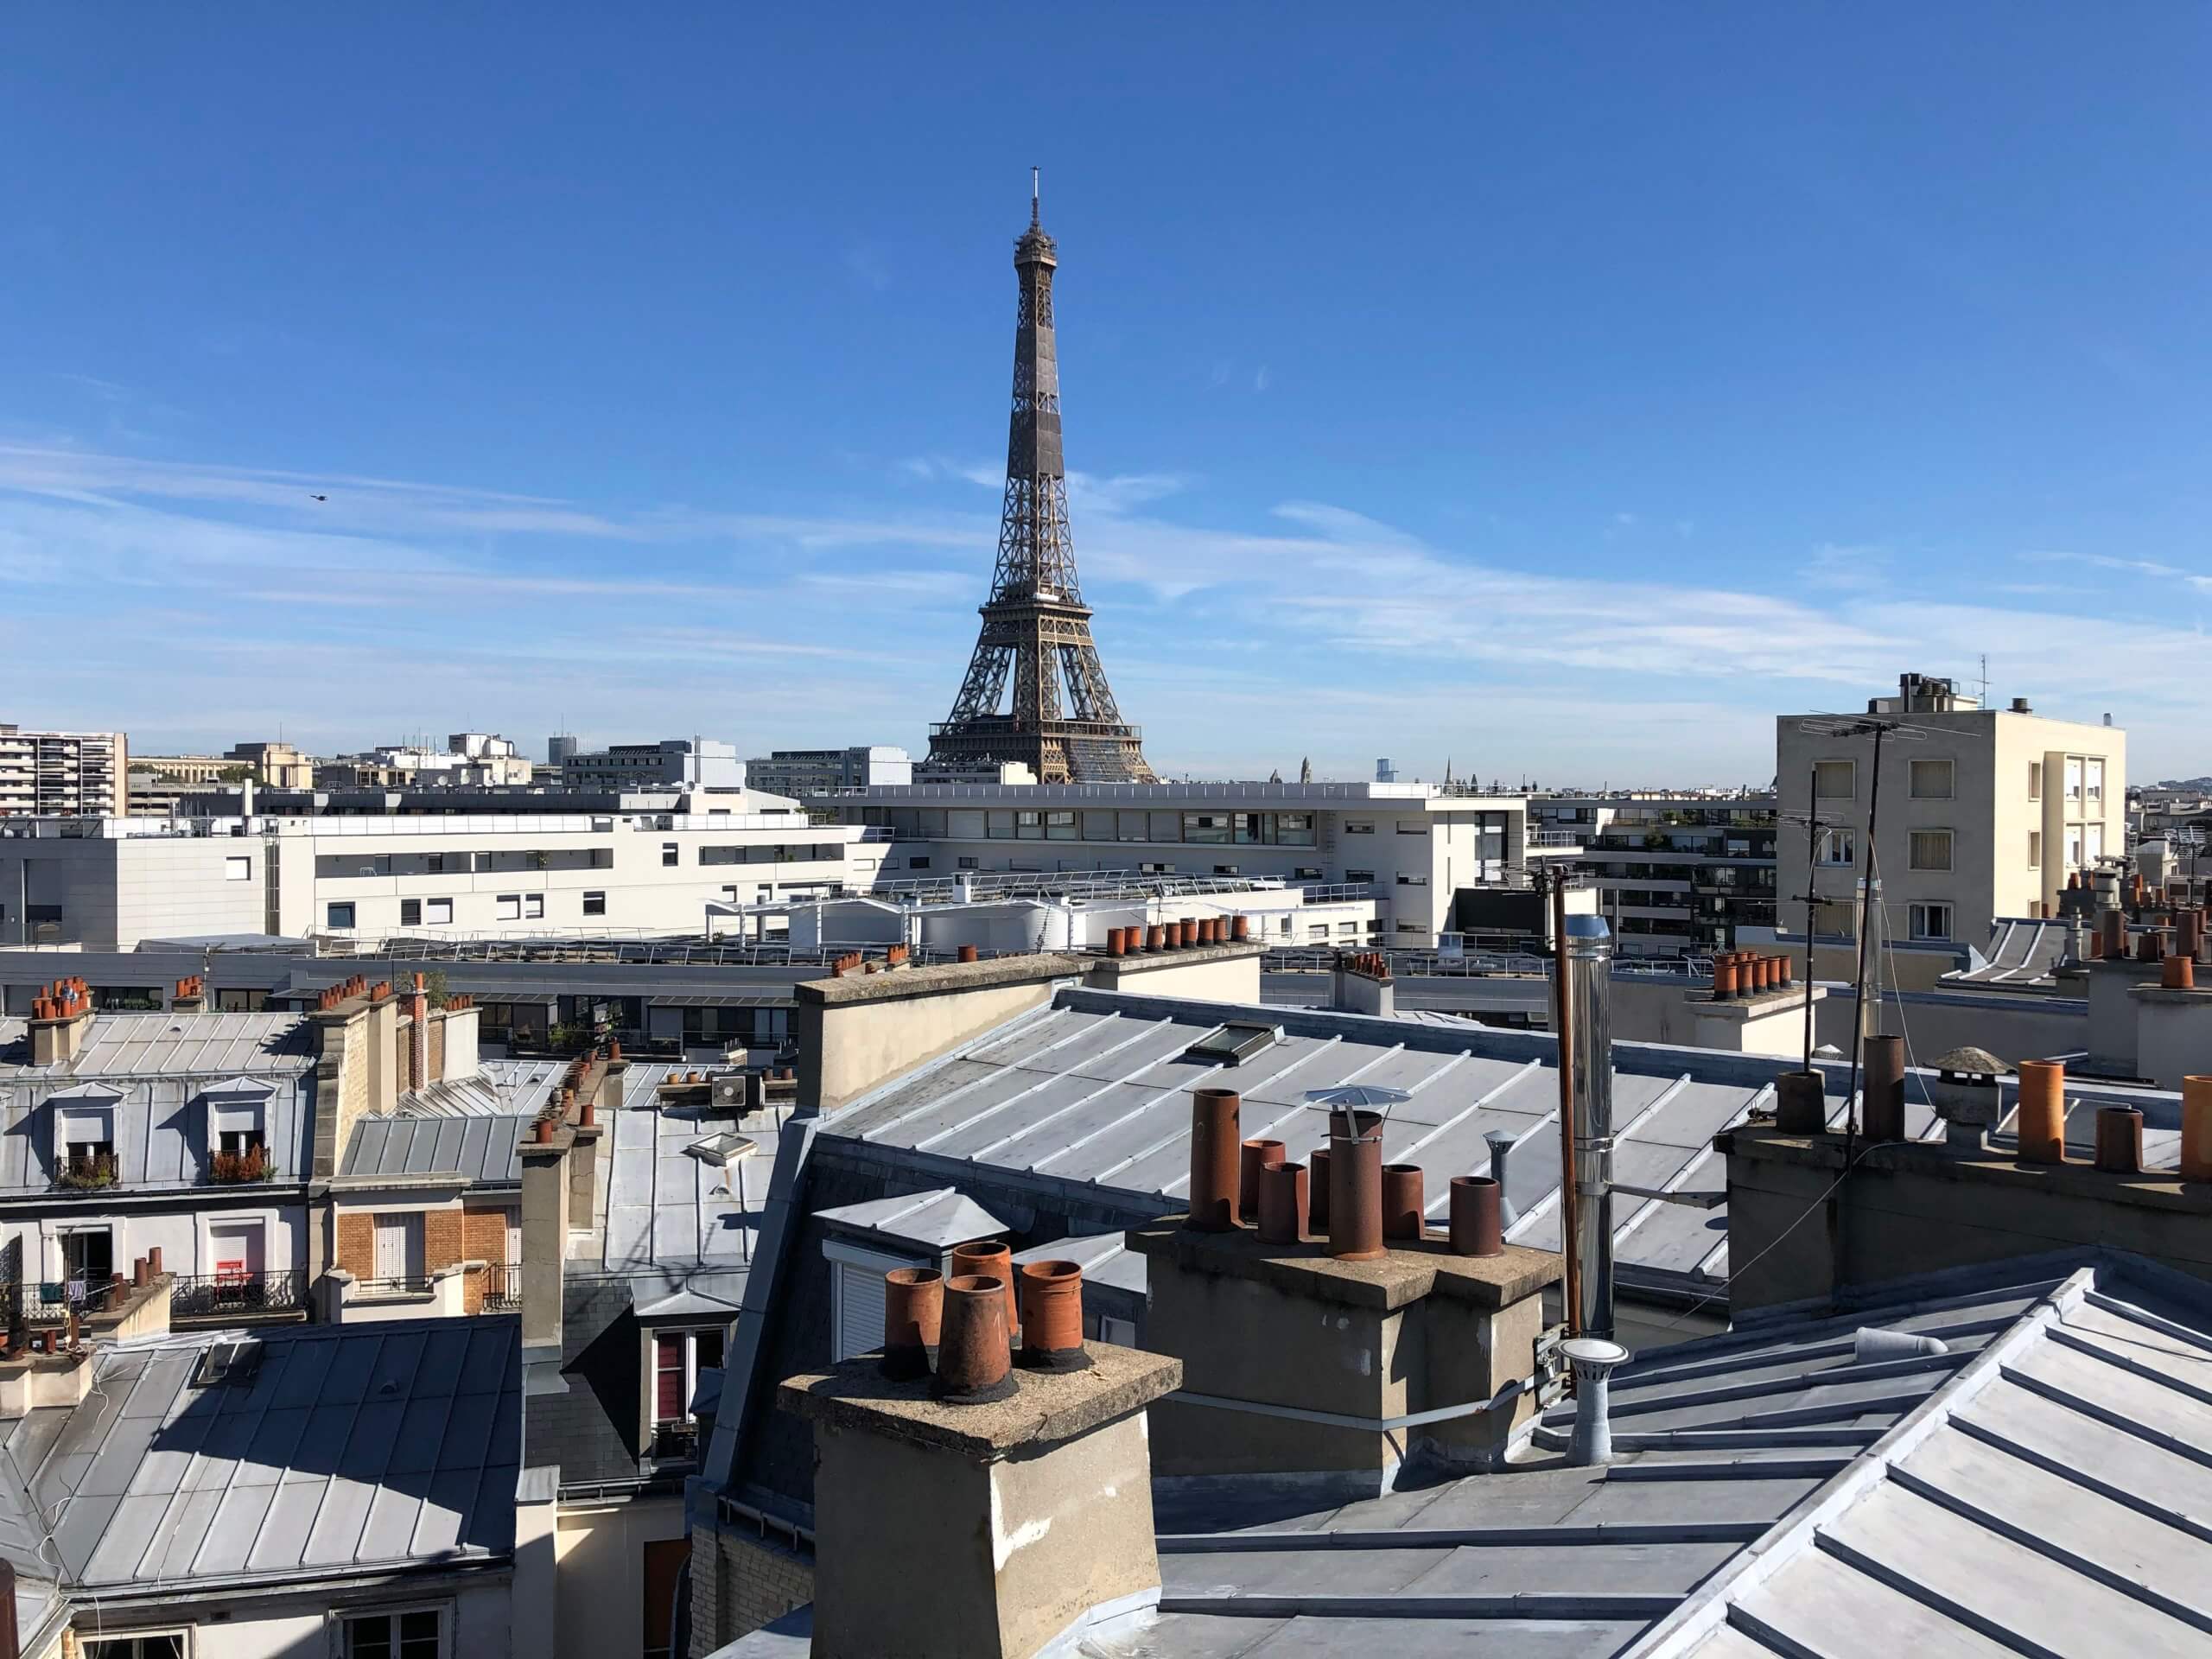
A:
952, 1529
418, 1036
1589, 965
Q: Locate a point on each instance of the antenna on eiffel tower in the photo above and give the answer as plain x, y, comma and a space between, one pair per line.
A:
1061, 720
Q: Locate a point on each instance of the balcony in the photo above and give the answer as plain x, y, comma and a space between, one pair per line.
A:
502, 1290
87, 1172
675, 1442
238, 1297
239, 1168
393, 1288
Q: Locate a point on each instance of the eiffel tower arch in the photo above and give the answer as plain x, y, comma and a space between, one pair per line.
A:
1035, 690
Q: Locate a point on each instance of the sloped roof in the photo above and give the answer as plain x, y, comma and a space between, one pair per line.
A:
374, 1446
188, 1045
662, 1208
940, 1218
482, 1151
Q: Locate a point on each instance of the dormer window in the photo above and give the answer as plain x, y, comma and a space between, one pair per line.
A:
85, 1146
238, 1135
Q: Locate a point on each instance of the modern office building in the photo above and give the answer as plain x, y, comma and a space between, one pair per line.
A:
624, 871
672, 763
560, 750
1412, 846
799, 773
71, 773
1985, 813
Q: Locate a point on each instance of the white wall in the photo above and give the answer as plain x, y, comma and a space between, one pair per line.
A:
183, 1236
600, 1549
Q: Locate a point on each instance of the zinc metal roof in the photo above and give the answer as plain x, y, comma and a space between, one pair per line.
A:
2048, 1497
473, 1096
480, 1151
157, 1088
191, 1044
2038, 1487
2022, 952
940, 1219
366, 1448
663, 1208
1093, 1091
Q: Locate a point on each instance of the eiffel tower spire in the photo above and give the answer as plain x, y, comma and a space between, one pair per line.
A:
1063, 721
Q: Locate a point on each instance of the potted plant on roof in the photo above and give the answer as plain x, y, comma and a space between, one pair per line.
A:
87, 1172
233, 1168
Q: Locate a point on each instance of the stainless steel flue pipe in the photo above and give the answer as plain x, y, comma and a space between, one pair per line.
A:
1589, 956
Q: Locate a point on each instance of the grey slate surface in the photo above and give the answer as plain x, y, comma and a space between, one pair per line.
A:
482, 1151
380, 1445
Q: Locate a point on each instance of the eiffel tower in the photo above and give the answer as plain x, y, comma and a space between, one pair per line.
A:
1036, 627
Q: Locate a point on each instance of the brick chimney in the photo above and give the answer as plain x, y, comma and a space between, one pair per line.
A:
59, 1020
418, 1036
947, 1530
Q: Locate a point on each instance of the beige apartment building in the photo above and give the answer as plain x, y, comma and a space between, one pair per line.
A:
1984, 811
70, 774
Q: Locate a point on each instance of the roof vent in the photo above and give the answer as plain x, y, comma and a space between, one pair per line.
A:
1238, 1040
1871, 1344
238, 1362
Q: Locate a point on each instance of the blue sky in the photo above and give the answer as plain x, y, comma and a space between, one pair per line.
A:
1558, 391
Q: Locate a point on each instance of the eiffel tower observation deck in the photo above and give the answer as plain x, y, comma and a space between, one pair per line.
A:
1061, 719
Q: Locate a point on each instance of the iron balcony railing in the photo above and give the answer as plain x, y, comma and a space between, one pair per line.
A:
503, 1290
675, 1440
238, 1294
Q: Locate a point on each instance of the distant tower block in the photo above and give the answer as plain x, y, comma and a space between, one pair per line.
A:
1063, 721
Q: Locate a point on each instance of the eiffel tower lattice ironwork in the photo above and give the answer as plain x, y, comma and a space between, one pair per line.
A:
1063, 721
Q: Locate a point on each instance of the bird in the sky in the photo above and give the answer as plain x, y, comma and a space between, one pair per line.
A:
321, 498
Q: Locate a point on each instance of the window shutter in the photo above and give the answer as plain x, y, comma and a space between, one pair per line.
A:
860, 1310
668, 1378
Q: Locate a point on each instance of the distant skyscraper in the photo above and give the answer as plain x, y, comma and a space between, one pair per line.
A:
1036, 627
560, 750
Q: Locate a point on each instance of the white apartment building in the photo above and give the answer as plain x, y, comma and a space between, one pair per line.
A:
108, 883
824, 771
1984, 811
672, 763
1411, 845
63, 772
469, 761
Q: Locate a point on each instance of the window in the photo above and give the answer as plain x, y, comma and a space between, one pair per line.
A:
2073, 778
670, 855
1348, 929
1352, 828
966, 864
1833, 780
2035, 780
918, 863
678, 1356
2093, 778
1412, 827
1224, 869
2034, 849
509, 906
398, 1259
339, 916
1206, 829
1413, 881
417, 1633
1356, 878
1929, 921
1317, 931
2093, 842
1839, 847
434, 863
1930, 850
439, 911
159, 1644
594, 903
533, 906
411, 912
238, 869
1931, 780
